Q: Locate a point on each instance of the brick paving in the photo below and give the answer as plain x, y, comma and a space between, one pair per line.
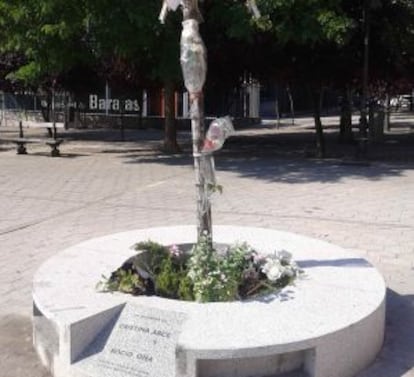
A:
101, 185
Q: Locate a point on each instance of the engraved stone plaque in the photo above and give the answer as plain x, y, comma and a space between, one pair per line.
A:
141, 343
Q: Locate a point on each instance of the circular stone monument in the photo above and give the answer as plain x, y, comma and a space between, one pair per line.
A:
329, 324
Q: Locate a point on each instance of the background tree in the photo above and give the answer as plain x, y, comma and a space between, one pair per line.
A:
47, 33
304, 33
66, 42
317, 44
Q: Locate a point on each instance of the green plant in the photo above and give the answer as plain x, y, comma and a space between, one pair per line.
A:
209, 278
204, 274
126, 281
186, 288
168, 280
152, 255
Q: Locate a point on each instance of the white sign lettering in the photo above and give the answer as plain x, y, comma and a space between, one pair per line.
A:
112, 104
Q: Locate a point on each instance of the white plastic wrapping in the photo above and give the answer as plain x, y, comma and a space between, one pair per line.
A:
168, 5
209, 171
193, 57
251, 4
218, 131
173, 4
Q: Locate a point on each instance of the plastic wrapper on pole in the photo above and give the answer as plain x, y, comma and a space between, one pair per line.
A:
208, 167
167, 5
193, 57
191, 11
173, 4
251, 4
163, 13
218, 131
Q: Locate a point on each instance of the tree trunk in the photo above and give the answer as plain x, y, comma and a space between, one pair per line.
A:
46, 111
345, 124
376, 123
277, 112
363, 121
170, 135
277, 107
320, 140
387, 111
292, 108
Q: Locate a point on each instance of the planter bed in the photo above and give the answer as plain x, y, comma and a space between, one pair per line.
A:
329, 324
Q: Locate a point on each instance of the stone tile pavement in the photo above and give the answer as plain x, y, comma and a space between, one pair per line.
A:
101, 185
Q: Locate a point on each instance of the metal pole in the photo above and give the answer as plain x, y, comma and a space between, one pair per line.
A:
204, 224
194, 67
193, 63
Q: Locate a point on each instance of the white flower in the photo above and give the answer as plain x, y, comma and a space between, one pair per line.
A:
274, 273
273, 269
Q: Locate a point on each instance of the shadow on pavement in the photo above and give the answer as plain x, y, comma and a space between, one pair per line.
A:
302, 171
17, 356
397, 356
289, 157
350, 262
112, 135
282, 170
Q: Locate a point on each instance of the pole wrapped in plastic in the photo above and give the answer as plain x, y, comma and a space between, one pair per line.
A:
193, 57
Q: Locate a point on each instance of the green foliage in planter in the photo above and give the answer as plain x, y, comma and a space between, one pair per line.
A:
186, 288
172, 281
167, 280
129, 282
217, 277
124, 280
152, 255
167, 270
204, 274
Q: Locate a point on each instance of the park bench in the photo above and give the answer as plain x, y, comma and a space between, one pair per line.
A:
50, 127
53, 142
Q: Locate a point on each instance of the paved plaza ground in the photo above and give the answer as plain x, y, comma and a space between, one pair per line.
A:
102, 185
